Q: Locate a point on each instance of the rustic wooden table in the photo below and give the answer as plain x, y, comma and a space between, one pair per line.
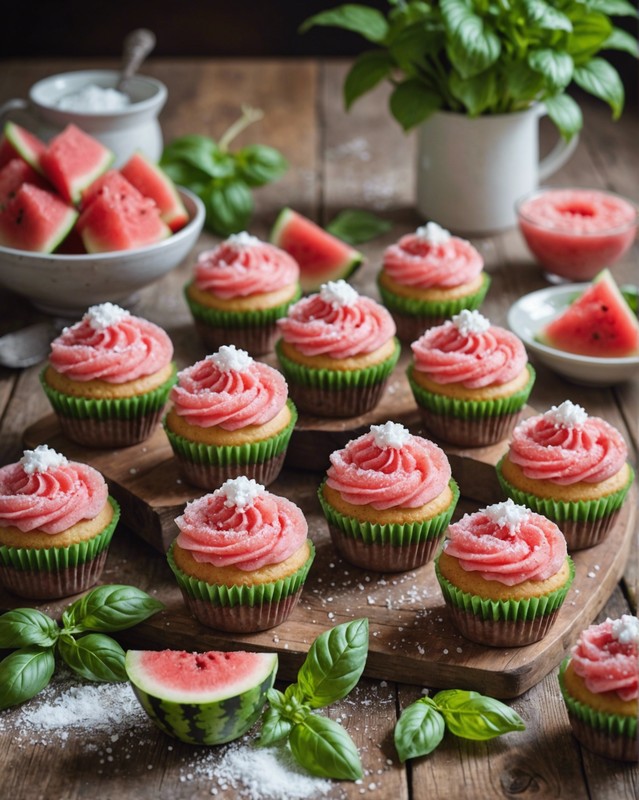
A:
337, 160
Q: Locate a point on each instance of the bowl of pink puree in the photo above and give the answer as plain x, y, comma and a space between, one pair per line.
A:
575, 233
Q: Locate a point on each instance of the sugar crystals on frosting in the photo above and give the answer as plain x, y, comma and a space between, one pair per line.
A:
469, 322
507, 514
42, 459
626, 629
240, 492
567, 415
243, 239
104, 315
433, 233
390, 434
230, 358
338, 293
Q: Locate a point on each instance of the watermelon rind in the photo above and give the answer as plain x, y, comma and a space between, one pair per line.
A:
206, 717
153, 182
26, 144
35, 220
311, 279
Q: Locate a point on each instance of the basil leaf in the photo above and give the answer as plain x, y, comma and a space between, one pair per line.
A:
477, 93
186, 175
565, 113
591, 30
524, 84
334, 663
258, 164
602, 80
474, 716
556, 68
616, 8
27, 626
229, 206
275, 699
473, 46
543, 15
112, 607
622, 40
367, 71
201, 153
419, 730
95, 656
366, 21
325, 749
355, 227
274, 727
25, 673
631, 296
413, 102
411, 47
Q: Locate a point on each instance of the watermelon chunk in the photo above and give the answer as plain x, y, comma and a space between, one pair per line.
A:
35, 220
7, 151
153, 182
201, 698
112, 182
321, 256
598, 323
121, 221
25, 144
12, 175
73, 160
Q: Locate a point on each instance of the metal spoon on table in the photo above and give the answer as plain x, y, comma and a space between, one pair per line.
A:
30, 345
137, 46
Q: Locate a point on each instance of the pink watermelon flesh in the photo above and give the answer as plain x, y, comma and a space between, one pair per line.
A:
121, 222
321, 256
112, 182
35, 220
12, 175
198, 677
73, 160
25, 144
598, 323
7, 151
153, 182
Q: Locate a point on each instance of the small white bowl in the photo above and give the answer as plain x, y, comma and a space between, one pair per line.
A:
530, 313
69, 284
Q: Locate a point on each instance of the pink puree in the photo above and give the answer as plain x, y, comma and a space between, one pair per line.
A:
606, 664
574, 233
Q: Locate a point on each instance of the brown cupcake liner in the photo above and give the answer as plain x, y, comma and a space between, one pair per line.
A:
109, 433
241, 618
410, 328
256, 340
470, 432
581, 535
48, 585
384, 557
501, 633
212, 476
604, 743
348, 401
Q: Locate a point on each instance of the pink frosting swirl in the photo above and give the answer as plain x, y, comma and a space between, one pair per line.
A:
50, 501
546, 450
446, 355
531, 549
388, 477
267, 531
414, 261
605, 663
206, 395
124, 351
317, 327
243, 265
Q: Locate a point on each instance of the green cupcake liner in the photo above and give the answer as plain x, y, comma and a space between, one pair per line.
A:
226, 455
612, 724
471, 409
564, 510
109, 408
414, 307
398, 535
238, 319
54, 559
231, 596
337, 379
508, 610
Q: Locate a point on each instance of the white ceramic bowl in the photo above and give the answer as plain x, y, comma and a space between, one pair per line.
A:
531, 312
69, 284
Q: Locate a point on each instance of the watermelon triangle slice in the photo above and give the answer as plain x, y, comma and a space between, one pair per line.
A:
153, 182
321, 256
36, 220
598, 323
25, 144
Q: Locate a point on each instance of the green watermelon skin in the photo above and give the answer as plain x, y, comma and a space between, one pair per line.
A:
153, 182
35, 220
599, 323
25, 144
321, 256
209, 722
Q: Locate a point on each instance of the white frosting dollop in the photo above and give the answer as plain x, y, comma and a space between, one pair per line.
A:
230, 358
433, 233
242, 239
240, 492
104, 315
626, 629
507, 514
469, 322
42, 459
338, 293
390, 434
567, 415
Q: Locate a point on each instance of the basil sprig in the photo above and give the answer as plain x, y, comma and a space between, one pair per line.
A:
223, 179
332, 668
355, 226
469, 715
94, 656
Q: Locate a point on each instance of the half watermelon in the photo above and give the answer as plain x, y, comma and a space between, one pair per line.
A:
321, 256
35, 220
598, 323
202, 698
153, 182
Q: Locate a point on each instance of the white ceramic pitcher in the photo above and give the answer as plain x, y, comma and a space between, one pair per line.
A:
471, 171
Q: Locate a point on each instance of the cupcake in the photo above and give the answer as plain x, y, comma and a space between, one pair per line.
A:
470, 379
230, 416
570, 467
600, 686
56, 523
504, 573
388, 498
337, 350
108, 377
428, 276
239, 290
241, 557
